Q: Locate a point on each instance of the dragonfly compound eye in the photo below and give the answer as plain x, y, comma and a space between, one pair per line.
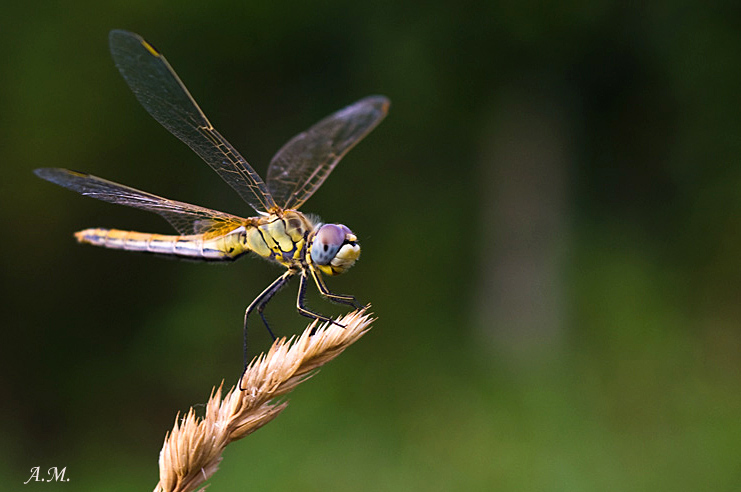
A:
336, 246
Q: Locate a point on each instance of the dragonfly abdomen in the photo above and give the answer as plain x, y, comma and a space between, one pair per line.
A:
191, 246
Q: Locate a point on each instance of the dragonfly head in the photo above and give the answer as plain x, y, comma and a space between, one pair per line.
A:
333, 248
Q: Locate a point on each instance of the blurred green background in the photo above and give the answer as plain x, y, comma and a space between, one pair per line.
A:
550, 219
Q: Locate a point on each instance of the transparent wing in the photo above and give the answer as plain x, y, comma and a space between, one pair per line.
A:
185, 218
302, 165
158, 88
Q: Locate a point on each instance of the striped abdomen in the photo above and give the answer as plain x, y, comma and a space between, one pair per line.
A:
224, 247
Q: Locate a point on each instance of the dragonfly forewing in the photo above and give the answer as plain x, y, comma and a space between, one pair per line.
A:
300, 167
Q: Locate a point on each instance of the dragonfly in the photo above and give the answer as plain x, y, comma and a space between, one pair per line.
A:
280, 233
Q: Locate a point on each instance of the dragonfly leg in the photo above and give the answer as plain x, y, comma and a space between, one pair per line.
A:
259, 304
302, 310
339, 298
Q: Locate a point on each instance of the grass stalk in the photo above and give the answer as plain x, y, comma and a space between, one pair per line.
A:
193, 448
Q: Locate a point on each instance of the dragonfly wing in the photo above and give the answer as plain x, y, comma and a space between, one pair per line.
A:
158, 88
185, 218
302, 165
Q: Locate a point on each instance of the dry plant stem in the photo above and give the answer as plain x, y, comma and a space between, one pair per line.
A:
192, 450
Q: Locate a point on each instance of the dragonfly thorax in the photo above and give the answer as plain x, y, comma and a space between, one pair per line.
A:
297, 242
333, 248
279, 236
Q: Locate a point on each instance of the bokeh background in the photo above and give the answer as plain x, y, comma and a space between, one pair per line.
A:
551, 228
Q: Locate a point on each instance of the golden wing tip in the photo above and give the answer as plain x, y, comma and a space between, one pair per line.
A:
150, 48
382, 102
